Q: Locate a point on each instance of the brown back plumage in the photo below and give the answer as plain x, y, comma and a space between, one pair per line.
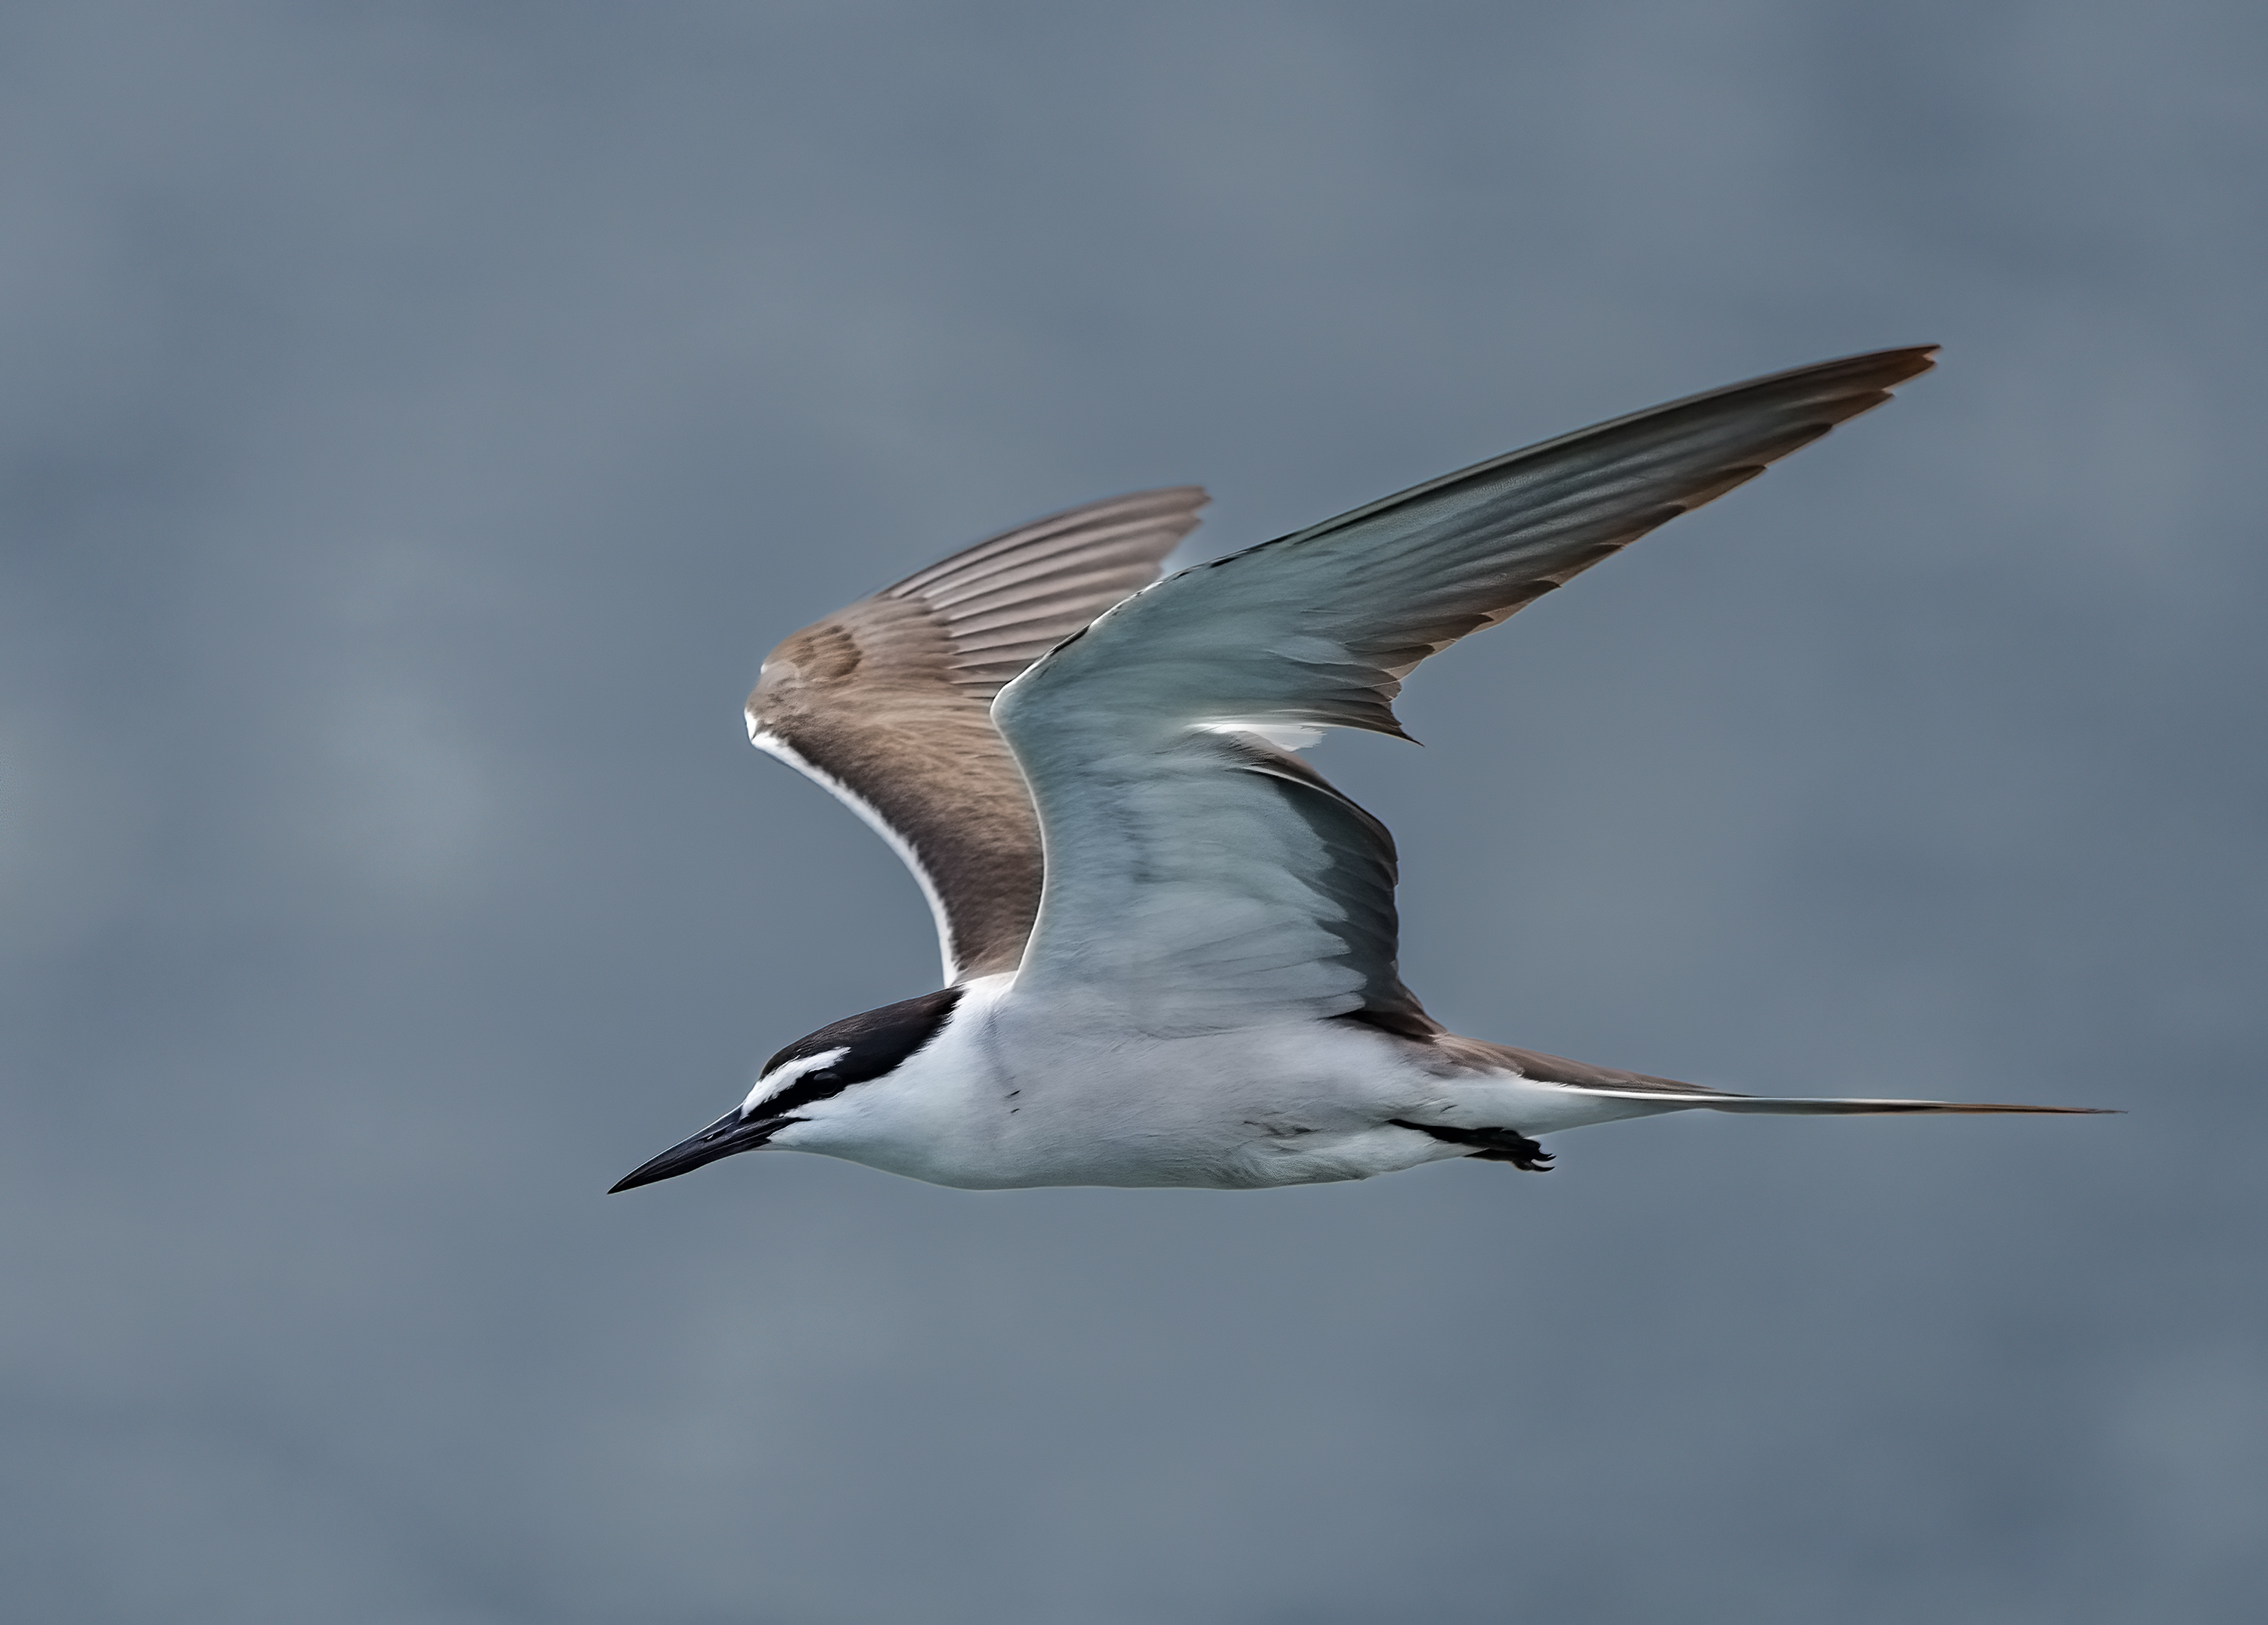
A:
888, 703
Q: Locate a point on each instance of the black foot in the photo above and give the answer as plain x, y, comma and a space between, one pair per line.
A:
1490, 1145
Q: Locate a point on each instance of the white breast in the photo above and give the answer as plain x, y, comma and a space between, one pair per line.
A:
1009, 1096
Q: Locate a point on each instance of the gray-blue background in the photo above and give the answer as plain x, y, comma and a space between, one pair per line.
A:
420, 418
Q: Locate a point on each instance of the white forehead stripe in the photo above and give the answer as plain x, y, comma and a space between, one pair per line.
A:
788, 1072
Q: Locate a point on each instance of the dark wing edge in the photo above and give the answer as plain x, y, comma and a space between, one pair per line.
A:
1361, 869
1404, 577
885, 704
1578, 500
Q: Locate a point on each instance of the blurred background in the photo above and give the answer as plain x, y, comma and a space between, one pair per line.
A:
416, 421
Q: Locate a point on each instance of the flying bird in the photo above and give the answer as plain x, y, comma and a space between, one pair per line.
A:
1169, 944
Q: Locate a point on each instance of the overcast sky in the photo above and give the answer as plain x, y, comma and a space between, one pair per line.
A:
417, 420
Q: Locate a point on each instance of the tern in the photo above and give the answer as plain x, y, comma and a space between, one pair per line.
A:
1169, 944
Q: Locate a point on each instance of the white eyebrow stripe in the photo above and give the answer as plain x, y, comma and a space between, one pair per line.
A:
780, 1077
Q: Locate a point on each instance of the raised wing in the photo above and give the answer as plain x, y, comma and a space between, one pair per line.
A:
886, 703
1202, 877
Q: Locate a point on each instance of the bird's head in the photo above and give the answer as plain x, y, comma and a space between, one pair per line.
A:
803, 1078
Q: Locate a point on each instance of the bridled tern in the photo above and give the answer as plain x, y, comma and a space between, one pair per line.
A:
1169, 944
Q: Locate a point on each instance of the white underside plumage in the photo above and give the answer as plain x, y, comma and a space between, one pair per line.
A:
1010, 1093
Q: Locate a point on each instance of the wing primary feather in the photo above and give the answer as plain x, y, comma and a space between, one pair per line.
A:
1159, 829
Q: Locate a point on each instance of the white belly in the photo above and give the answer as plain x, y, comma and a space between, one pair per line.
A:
1005, 1098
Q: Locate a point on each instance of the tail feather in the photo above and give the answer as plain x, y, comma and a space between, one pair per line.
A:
1819, 1106
1582, 1077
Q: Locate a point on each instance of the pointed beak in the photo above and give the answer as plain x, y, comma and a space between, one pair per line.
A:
729, 1134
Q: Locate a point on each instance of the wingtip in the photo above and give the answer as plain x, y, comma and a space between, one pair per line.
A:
1921, 358
1883, 369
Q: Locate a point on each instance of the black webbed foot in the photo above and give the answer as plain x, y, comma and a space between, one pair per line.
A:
1490, 1145
1518, 1149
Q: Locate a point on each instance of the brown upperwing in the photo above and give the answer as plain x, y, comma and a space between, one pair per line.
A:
889, 702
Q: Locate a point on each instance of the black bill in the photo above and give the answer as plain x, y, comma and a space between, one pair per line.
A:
728, 1134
